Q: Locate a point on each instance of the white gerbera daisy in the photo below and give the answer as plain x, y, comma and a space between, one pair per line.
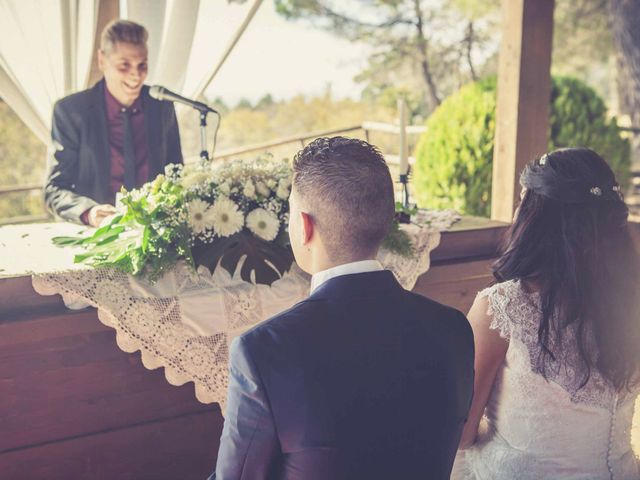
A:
199, 219
226, 218
263, 224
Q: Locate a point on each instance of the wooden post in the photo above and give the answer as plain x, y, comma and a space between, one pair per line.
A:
107, 10
524, 92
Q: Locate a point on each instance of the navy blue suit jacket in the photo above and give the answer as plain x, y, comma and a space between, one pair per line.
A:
363, 380
79, 164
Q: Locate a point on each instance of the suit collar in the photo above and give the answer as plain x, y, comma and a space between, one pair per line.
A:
100, 139
345, 269
357, 284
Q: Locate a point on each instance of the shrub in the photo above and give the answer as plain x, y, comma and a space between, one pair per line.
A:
454, 156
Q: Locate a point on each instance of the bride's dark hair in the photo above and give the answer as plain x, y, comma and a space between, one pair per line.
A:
570, 240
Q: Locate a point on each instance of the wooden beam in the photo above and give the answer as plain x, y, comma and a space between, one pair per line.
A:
524, 90
107, 10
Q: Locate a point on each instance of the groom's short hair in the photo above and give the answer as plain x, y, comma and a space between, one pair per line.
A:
345, 185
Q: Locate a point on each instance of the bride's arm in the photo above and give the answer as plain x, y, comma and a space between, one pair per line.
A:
491, 349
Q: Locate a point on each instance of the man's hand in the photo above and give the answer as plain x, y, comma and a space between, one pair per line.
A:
98, 213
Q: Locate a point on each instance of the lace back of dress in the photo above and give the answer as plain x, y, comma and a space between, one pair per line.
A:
516, 315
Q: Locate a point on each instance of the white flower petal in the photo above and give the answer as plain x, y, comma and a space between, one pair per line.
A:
197, 215
225, 217
263, 224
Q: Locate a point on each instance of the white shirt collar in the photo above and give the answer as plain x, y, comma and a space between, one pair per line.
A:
363, 266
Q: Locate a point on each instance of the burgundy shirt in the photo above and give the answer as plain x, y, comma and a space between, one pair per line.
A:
115, 126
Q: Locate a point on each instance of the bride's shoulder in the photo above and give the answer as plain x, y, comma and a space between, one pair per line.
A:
497, 306
501, 293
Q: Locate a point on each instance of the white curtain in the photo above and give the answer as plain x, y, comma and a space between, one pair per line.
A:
45, 52
172, 26
46, 47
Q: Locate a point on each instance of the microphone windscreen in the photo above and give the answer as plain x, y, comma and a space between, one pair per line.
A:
157, 92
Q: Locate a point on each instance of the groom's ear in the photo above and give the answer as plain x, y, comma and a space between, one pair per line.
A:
307, 227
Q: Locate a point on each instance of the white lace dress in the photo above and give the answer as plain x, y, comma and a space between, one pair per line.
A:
541, 429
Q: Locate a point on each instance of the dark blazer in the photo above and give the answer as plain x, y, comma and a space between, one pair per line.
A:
79, 165
363, 380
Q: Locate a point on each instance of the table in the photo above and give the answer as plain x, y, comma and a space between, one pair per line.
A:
185, 322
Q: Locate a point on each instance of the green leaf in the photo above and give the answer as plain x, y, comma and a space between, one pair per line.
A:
63, 241
398, 242
228, 252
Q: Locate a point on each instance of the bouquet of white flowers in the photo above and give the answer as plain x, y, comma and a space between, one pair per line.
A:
207, 214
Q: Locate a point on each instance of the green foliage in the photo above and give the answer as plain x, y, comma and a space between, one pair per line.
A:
22, 161
244, 104
579, 118
583, 43
454, 157
398, 241
143, 239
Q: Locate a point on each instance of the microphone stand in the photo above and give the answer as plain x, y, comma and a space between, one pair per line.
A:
204, 154
404, 216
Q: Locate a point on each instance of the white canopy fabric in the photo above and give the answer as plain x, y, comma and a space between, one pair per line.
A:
46, 48
45, 53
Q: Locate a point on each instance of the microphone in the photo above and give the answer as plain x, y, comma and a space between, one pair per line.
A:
161, 93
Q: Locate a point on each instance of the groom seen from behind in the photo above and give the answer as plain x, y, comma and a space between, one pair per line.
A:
363, 379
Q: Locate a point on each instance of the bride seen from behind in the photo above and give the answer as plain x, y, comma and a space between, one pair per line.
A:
558, 336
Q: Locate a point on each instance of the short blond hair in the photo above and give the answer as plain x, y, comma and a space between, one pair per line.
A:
122, 31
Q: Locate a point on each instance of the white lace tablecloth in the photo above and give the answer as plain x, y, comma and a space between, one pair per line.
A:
186, 321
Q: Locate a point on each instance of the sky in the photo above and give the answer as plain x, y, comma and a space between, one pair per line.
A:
280, 57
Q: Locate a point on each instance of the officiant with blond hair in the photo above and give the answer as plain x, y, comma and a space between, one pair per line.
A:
110, 136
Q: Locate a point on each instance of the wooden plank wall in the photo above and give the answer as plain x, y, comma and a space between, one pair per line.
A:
74, 406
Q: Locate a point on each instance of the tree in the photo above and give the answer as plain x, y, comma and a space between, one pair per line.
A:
265, 102
417, 44
244, 104
582, 42
625, 18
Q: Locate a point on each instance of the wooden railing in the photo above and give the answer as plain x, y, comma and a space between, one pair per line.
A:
20, 188
279, 142
367, 127
9, 189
